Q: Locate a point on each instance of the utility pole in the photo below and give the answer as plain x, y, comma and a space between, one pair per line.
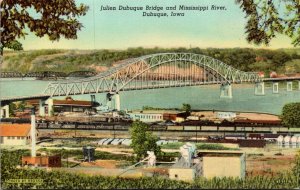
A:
196, 134
33, 133
114, 131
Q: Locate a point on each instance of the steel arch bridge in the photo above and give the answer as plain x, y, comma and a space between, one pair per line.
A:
161, 70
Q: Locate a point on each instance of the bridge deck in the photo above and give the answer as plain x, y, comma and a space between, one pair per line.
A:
281, 79
15, 90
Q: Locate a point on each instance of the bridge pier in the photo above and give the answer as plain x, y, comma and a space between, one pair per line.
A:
109, 97
108, 104
275, 87
42, 107
226, 91
50, 107
4, 112
259, 88
117, 102
289, 86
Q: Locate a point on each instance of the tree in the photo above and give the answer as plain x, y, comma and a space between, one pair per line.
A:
266, 18
15, 45
143, 140
280, 58
21, 106
186, 107
12, 109
290, 115
54, 18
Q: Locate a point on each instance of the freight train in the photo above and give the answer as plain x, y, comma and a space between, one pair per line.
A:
116, 121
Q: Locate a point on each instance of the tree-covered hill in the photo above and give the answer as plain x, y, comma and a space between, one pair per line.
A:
281, 60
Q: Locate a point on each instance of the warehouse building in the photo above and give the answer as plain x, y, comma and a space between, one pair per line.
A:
146, 117
42, 161
223, 164
226, 115
207, 164
149, 116
15, 134
66, 105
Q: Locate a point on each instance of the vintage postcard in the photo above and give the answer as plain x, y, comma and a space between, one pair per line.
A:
152, 94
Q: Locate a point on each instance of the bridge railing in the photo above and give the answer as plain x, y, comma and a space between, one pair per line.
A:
47, 74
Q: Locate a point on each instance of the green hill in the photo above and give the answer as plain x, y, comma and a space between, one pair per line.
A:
281, 60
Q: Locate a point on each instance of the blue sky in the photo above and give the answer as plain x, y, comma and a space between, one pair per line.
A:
124, 29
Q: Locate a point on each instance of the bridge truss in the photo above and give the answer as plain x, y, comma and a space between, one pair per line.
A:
155, 71
38, 74
47, 74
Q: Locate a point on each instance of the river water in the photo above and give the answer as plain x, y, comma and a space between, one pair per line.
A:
206, 97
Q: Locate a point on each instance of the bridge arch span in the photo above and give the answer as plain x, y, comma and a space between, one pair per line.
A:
209, 70
155, 71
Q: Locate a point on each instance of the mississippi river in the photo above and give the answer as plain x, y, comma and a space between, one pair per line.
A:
205, 97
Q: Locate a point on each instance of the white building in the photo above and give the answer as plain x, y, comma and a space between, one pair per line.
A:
15, 134
226, 115
223, 164
210, 164
146, 117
